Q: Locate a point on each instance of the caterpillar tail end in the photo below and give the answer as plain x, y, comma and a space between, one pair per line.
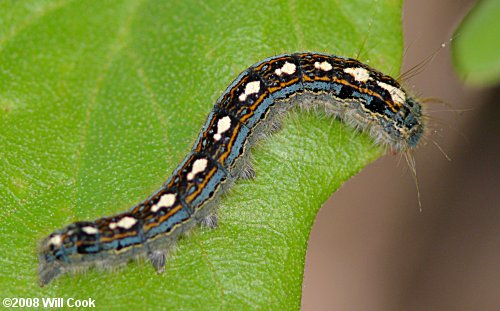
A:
47, 272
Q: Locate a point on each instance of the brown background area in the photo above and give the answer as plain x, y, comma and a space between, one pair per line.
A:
371, 248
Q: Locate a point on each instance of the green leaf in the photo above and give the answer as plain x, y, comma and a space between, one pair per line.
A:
99, 102
476, 50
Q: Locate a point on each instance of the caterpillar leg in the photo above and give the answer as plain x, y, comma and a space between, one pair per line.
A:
158, 259
247, 171
210, 221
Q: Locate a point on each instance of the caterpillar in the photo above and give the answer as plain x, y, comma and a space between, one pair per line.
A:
250, 108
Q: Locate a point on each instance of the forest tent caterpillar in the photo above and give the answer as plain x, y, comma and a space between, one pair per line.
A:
252, 104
